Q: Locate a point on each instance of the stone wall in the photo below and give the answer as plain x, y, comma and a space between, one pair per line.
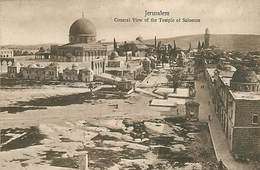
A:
246, 135
246, 141
245, 109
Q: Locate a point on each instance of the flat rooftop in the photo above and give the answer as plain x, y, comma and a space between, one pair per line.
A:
124, 68
238, 95
222, 73
211, 73
226, 73
180, 92
226, 80
170, 102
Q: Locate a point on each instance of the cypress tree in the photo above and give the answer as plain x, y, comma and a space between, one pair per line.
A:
155, 42
174, 46
199, 46
115, 45
202, 45
190, 46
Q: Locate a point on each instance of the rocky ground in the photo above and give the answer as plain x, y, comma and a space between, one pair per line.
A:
116, 131
113, 144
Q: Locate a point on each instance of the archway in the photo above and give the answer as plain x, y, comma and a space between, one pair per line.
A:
4, 63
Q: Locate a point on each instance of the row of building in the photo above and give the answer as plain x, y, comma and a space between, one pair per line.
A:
6, 53
236, 97
234, 86
116, 66
51, 72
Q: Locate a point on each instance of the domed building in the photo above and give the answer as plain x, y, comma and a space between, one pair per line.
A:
82, 47
245, 80
113, 55
82, 31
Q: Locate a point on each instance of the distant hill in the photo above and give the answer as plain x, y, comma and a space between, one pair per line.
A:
30, 47
238, 42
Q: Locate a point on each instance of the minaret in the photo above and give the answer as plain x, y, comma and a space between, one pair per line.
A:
206, 38
155, 42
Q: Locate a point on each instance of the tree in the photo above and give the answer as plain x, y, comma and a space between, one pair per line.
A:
158, 51
115, 45
174, 49
91, 87
125, 48
189, 47
170, 53
175, 77
180, 60
169, 48
159, 45
174, 46
202, 45
199, 46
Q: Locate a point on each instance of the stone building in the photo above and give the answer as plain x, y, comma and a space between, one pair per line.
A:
121, 67
13, 71
51, 72
136, 48
6, 59
226, 71
115, 61
237, 105
35, 72
86, 75
147, 65
77, 74
82, 47
71, 74
6, 53
42, 54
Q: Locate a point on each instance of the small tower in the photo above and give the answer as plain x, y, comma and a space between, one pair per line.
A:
206, 38
192, 110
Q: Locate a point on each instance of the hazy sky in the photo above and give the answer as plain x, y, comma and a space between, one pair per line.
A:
48, 21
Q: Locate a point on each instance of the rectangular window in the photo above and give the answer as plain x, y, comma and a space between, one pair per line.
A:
255, 119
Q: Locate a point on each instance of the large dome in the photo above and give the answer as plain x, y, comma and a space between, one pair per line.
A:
82, 26
244, 75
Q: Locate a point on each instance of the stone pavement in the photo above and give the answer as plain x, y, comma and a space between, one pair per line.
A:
217, 134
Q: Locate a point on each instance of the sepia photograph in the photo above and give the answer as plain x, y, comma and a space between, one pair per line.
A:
129, 85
